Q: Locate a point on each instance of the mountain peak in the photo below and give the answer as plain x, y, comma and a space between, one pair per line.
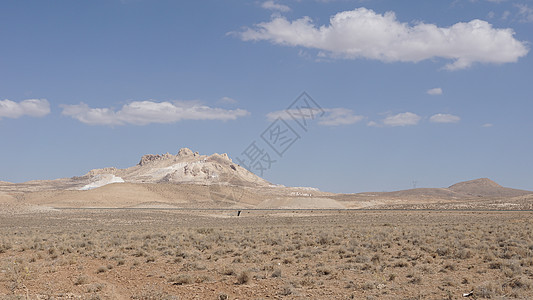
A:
186, 152
182, 153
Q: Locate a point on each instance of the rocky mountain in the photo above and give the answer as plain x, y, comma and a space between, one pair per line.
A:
185, 167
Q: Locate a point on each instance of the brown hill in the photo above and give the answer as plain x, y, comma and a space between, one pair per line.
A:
484, 187
462, 193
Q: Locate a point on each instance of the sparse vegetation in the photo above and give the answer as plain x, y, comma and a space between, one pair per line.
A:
372, 255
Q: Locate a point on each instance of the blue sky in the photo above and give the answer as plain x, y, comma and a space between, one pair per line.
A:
432, 92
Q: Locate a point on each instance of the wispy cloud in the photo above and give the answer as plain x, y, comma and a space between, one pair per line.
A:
435, 91
332, 117
227, 100
30, 107
444, 118
147, 112
487, 125
373, 124
525, 13
339, 116
363, 33
271, 5
402, 119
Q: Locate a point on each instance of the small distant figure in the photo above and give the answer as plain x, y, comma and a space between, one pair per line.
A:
238, 213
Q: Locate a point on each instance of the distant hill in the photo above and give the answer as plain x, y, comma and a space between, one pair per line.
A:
484, 187
191, 180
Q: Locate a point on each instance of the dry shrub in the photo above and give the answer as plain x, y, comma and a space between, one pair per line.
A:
202, 278
153, 293
401, 264
244, 277
180, 279
82, 279
443, 251
323, 271
95, 288
370, 285
486, 290
228, 271
518, 283
276, 273
286, 290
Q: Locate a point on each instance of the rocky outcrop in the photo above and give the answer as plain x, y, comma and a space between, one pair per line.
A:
95, 172
186, 152
182, 153
148, 158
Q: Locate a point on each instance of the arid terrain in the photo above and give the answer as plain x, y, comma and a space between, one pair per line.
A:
190, 226
151, 254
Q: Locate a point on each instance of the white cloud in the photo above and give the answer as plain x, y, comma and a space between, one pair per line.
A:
444, 118
487, 125
435, 91
525, 13
362, 33
146, 112
271, 5
227, 100
30, 107
281, 114
402, 119
339, 116
332, 116
373, 124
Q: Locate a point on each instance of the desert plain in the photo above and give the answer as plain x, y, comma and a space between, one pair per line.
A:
191, 226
